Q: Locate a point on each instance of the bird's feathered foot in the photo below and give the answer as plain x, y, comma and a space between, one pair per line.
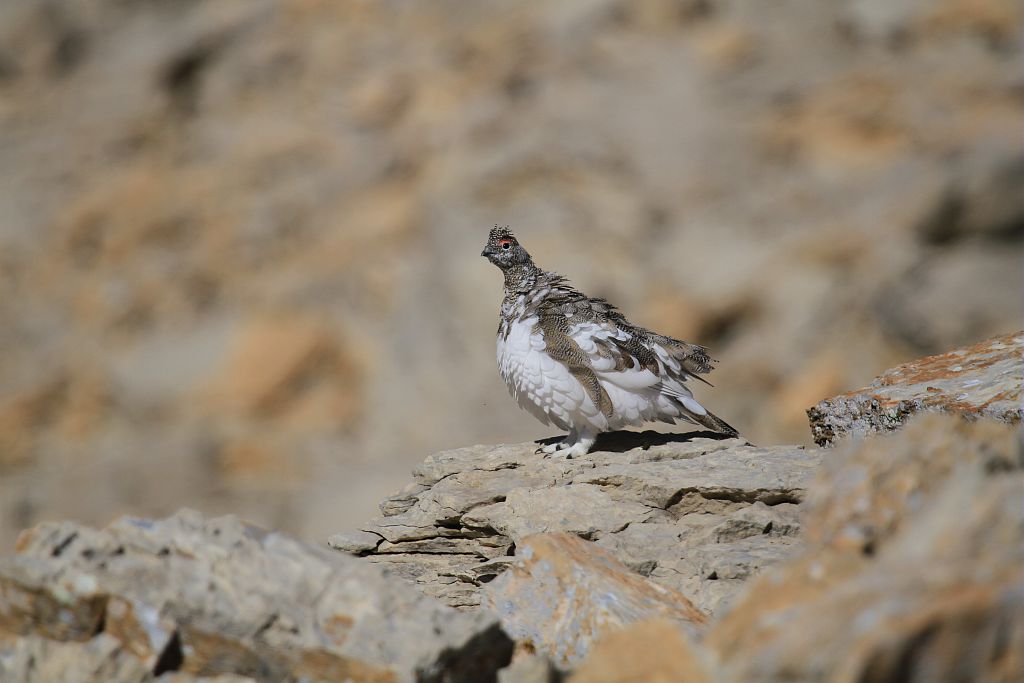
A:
574, 445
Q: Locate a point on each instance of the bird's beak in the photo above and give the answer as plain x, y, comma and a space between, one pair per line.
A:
487, 252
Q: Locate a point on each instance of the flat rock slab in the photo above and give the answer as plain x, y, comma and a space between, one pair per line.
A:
562, 594
208, 597
662, 504
980, 381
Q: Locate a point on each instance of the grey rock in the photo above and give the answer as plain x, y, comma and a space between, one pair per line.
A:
714, 573
356, 542
401, 501
187, 593
648, 498
101, 659
446, 576
756, 520
480, 574
714, 554
979, 381
441, 546
582, 509
744, 475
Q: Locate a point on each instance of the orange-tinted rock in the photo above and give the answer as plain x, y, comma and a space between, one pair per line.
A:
652, 651
861, 497
563, 593
912, 572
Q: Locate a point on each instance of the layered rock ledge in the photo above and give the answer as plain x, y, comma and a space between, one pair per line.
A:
192, 597
692, 513
985, 380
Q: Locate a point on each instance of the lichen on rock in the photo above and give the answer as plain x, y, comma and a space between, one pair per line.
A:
985, 380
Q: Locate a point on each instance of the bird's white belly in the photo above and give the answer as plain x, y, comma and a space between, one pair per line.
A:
543, 386
547, 390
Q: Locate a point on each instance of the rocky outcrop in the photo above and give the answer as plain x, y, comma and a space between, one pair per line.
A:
985, 380
912, 569
907, 567
894, 557
694, 514
207, 598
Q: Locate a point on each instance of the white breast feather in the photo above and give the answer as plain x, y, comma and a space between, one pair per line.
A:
543, 386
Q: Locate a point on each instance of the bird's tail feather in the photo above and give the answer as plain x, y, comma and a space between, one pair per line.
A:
711, 421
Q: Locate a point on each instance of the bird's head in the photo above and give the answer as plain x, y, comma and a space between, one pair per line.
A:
503, 250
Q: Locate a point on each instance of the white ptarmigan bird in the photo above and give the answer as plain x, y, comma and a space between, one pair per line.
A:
578, 363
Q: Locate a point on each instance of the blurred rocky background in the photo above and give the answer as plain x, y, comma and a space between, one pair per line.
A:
239, 238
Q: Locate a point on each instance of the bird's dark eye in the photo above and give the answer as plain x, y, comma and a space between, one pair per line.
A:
505, 244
